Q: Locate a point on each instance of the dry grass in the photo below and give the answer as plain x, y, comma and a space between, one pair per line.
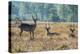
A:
42, 42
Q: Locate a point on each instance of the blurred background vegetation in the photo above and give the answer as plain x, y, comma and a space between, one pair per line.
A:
45, 11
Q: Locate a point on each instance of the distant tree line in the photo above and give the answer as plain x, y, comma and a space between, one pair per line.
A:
44, 11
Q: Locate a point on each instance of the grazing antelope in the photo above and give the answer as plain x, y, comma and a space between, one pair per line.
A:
51, 34
28, 27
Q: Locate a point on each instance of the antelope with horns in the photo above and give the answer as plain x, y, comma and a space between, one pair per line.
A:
51, 33
28, 27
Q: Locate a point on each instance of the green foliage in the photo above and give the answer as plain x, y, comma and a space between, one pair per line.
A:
45, 10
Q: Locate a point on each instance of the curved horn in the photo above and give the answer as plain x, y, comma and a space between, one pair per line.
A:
32, 17
36, 16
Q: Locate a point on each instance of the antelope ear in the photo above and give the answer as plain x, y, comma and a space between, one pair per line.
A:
45, 25
36, 17
49, 27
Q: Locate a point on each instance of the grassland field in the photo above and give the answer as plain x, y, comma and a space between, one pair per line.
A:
43, 42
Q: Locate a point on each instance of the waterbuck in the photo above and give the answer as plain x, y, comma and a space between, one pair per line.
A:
51, 33
28, 27
72, 30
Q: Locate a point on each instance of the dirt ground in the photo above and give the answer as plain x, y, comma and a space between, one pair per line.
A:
42, 41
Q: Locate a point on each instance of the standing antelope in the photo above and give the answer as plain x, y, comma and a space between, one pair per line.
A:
28, 27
